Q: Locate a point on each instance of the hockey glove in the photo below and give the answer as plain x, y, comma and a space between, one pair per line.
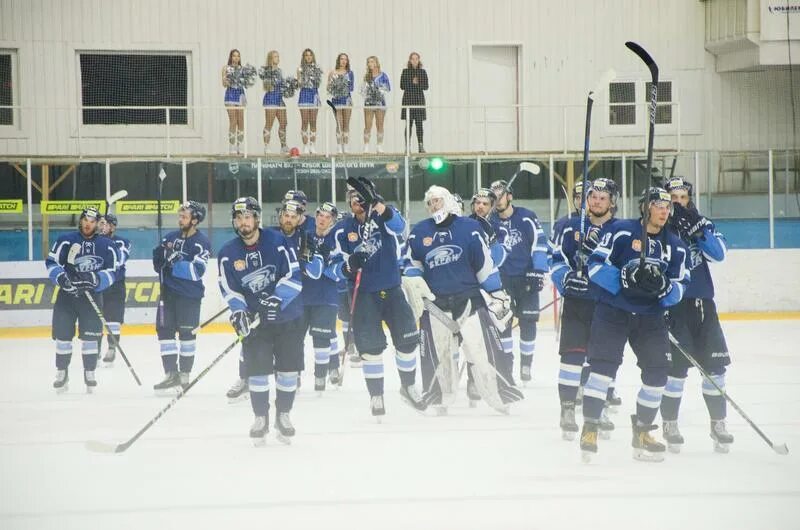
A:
499, 305
591, 239
270, 306
172, 259
415, 288
535, 280
687, 221
65, 284
158, 258
576, 285
84, 281
241, 322
646, 282
366, 188
355, 261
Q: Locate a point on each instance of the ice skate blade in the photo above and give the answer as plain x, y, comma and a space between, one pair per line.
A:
168, 392
646, 456
319, 393
473, 403
722, 448
62, 389
568, 436
260, 441
440, 410
286, 440
232, 400
90, 389
108, 364
604, 435
674, 448
586, 456
613, 409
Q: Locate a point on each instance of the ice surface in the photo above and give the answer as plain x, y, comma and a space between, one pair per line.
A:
197, 469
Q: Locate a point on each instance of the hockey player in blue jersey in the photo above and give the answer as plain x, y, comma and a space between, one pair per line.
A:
523, 270
321, 295
114, 296
306, 222
79, 262
367, 242
570, 276
450, 264
694, 322
259, 277
181, 260
632, 299
558, 226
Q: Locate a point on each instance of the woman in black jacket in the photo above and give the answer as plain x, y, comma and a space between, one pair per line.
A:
413, 83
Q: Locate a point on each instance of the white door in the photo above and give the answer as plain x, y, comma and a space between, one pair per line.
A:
493, 90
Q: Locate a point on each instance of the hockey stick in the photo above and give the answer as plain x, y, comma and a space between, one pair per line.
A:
545, 306
530, 167
74, 250
219, 313
104, 447
121, 194
653, 67
781, 449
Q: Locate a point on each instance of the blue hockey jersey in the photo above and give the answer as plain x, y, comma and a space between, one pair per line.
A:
566, 257
524, 240
267, 268
381, 271
453, 258
620, 244
186, 276
309, 271
123, 247
324, 290
707, 247
98, 254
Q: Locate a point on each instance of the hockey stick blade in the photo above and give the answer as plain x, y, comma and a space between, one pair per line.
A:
96, 446
121, 194
602, 84
644, 56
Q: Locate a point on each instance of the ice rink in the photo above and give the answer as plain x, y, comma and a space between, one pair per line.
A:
197, 469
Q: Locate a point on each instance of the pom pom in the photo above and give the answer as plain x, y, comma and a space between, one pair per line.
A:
271, 76
248, 75
240, 76
290, 86
310, 76
373, 95
339, 86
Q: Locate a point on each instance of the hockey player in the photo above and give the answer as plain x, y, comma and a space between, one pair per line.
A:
561, 222
79, 262
259, 276
694, 322
450, 265
306, 222
570, 276
631, 304
367, 242
114, 296
181, 260
519, 231
321, 296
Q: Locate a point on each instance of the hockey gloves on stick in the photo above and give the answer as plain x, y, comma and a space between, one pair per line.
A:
535, 280
84, 281
647, 282
65, 284
575, 285
355, 261
241, 322
366, 189
415, 288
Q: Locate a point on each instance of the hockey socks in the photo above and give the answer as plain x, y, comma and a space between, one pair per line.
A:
322, 356
169, 355
187, 355
63, 354
259, 394
89, 354
285, 389
372, 367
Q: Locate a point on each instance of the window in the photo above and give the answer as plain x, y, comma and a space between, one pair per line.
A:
114, 79
663, 101
622, 103
6, 87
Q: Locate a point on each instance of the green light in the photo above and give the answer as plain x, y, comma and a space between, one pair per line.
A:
436, 164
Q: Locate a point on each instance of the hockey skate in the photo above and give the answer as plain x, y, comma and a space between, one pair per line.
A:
645, 447
588, 441
170, 384
259, 430
285, 428
525, 374
411, 395
722, 438
61, 384
89, 379
185, 378
238, 391
567, 423
377, 408
319, 385
111, 354
472, 394
606, 425
614, 401
673, 437
334, 376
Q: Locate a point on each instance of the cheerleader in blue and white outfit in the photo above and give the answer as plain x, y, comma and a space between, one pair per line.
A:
309, 76
341, 82
376, 86
235, 100
274, 106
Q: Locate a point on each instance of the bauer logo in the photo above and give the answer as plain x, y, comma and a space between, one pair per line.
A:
443, 255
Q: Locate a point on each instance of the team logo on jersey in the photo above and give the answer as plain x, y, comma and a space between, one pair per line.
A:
443, 255
636, 245
427, 241
260, 279
512, 239
239, 265
88, 263
352, 237
177, 245
87, 247
695, 256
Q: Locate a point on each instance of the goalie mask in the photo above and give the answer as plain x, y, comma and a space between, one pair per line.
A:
439, 203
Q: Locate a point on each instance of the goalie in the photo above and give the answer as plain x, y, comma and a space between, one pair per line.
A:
453, 287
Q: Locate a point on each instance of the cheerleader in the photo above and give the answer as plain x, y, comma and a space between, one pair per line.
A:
376, 86
309, 77
340, 87
235, 100
413, 83
274, 106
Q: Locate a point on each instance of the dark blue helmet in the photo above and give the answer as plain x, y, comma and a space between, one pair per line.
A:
296, 195
90, 213
651, 195
245, 205
197, 210
110, 219
607, 186
330, 208
679, 183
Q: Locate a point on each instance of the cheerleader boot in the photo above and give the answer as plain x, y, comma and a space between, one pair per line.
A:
282, 138
267, 134
312, 141
232, 143
340, 143
239, 141
306, 149
345, 141
379, 148
367, 135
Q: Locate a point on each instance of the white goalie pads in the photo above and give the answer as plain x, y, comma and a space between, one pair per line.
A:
416, 289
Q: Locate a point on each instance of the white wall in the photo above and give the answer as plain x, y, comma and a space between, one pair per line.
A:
566, 45
749, 280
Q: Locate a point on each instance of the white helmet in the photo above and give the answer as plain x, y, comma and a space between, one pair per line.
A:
444, 206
